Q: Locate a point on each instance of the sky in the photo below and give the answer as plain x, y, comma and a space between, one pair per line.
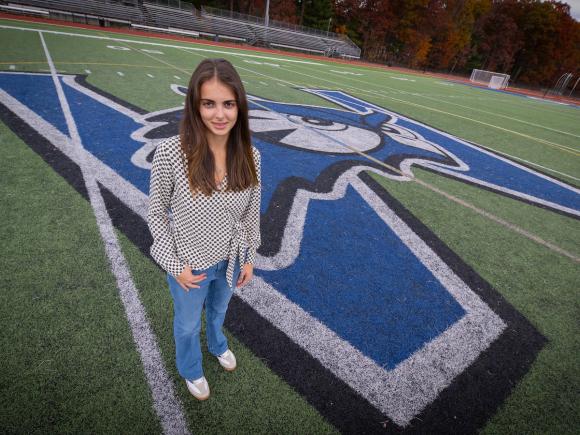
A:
574, 8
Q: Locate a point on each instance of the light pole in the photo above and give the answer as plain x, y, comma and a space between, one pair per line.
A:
266, 22
267, 15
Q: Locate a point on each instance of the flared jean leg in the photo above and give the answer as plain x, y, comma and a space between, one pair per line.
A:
216, 306
187, 306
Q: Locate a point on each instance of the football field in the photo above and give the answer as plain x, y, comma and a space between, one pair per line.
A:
420, 261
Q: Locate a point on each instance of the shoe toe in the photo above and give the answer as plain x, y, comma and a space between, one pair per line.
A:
199, 388
227, 360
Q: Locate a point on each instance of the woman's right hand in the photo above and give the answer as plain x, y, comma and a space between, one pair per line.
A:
187, 280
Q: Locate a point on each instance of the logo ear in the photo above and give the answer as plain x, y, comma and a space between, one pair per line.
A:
179, 90
376, 119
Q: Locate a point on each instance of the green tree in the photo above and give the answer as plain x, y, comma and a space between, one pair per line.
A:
315, 13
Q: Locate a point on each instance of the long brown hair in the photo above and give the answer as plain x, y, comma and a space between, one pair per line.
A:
240, 165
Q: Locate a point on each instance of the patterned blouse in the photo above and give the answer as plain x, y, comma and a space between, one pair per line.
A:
199, 231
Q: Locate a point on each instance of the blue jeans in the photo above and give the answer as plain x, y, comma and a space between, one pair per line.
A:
187, 305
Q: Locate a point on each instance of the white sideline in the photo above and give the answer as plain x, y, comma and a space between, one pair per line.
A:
165, 402
400, 417
158, 44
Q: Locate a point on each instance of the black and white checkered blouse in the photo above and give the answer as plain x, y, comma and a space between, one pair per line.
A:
199, 230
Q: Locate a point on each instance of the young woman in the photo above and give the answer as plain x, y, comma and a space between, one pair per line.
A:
204, 214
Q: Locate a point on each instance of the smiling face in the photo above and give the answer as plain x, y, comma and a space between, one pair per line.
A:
218, 109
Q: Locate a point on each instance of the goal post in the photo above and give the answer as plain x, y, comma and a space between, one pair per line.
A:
490, 79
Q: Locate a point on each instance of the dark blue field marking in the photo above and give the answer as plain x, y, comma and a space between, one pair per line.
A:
484, 167
353, 273
37, 92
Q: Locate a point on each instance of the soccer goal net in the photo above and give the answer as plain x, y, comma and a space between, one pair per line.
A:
489, 78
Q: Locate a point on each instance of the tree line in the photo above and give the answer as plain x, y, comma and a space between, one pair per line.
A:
534, 41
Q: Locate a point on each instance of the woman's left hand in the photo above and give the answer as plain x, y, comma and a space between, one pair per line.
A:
246, 275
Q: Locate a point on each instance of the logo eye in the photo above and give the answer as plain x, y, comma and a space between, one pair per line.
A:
179, 90
318, 123
313, 133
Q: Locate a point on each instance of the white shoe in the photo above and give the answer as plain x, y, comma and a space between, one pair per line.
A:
227, 360
198, 388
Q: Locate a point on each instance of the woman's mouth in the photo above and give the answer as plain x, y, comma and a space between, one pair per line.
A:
220, 125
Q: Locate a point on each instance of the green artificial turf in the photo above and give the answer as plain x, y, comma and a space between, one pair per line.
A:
70, 363
556, 147
538, 132
24, 51
251, 399
68, 359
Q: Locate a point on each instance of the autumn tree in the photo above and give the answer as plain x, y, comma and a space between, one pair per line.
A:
453, 30
498, 38
532, 40
367, 23
284, 10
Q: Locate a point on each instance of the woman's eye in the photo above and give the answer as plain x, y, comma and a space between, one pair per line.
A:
207, 104
230, 104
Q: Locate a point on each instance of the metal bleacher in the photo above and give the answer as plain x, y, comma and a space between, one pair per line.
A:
282, 35
158, 15
117, 11
175, 16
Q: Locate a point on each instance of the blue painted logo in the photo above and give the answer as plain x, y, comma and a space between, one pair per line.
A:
334, 253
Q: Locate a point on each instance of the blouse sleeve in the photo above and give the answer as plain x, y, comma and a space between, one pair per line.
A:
251, 219
162, 182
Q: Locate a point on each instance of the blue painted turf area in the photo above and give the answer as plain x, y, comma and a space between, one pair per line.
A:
37, 92
356, 276
353, 273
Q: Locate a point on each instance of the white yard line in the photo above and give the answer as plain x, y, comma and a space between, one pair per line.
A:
438, 99
393, 392
158, 44
165, 402
575, 151
513, 227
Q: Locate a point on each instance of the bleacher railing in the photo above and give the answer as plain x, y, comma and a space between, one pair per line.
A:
352, 50
274, 23
174, 4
